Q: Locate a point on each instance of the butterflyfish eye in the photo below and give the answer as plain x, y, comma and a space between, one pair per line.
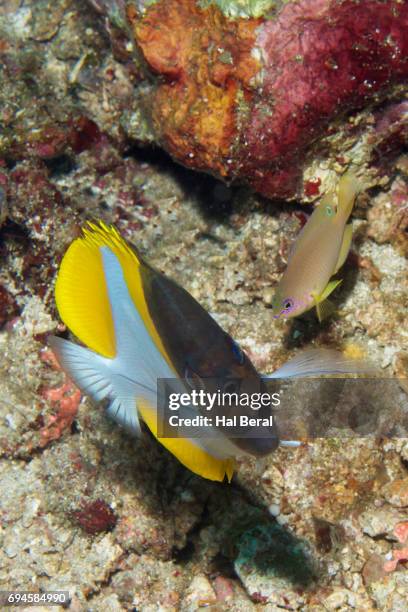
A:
329, 211
231, 386
193, 379
237, 352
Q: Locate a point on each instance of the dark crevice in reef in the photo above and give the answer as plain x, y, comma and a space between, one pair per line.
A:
213, 197
15, 233
151, 156
61, 165
10, 163
404, 463
186, 554
107, 582
25, 456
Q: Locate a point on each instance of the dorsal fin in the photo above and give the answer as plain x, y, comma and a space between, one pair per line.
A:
81, 293
82, 298
349, 187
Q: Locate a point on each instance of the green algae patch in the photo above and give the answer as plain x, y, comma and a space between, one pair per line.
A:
272, 550
244, 9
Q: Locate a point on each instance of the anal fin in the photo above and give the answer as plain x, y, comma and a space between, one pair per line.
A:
188, 451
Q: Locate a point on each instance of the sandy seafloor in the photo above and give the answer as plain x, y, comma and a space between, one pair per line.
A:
118, 522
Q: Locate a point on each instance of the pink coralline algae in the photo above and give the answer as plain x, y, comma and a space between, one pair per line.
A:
323, 59
257, 100
401, 532
399, 554
65, 398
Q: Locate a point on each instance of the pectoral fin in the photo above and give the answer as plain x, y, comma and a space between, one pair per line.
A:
345, 247
324, 310
323, 306
318, 362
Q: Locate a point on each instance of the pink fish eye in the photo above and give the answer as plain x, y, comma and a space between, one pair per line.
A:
288, 304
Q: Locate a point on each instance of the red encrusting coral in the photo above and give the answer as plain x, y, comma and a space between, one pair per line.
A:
311, 188
260, 116
49, 141
84, 134
95, 517
8, 306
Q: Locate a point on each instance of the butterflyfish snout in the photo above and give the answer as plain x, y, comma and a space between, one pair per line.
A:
139, 326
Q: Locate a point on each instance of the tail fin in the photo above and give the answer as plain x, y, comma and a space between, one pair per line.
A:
94, 375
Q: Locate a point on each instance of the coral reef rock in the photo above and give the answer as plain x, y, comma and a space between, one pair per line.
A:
276, 95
